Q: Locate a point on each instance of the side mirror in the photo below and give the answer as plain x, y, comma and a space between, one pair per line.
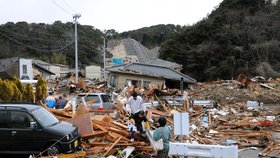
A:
33, 125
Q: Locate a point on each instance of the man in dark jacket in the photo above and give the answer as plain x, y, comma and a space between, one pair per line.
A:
60, 104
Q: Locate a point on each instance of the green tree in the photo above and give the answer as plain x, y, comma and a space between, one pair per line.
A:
7, 91
19, 85
41, 89
17, 95
29, 93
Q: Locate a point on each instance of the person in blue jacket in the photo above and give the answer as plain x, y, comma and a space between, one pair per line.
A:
50, 100
164, 133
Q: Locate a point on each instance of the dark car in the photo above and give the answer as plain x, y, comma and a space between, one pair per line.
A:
31, 129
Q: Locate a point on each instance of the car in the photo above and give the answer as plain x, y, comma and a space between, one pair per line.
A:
102, 101
27, 128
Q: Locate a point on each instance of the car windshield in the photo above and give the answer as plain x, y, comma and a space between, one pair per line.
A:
44, 117
105, 98
90, 97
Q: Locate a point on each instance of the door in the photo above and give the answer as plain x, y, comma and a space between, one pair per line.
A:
5, 134
24, 138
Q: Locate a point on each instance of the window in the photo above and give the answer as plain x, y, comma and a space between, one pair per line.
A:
44, 117
133, 83
24, 69
90, 97
105, 98
20, 119
146, 84
4, 119
113, 81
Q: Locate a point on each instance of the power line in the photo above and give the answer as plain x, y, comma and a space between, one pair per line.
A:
69, 6
34, 30
37, 49
30, 38
61, 8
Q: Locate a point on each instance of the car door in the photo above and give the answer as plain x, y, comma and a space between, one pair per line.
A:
5, 133
24, 138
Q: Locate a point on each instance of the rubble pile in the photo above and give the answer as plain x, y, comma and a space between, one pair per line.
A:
229, 122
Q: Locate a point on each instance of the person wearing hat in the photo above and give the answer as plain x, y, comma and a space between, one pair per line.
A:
164, 133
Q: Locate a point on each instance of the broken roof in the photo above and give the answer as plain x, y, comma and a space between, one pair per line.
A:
152, 71
163, 63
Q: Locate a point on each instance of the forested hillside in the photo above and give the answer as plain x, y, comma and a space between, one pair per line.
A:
153, 36
51, 43
241, 36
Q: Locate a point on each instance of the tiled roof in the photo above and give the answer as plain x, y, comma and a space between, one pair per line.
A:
151, 70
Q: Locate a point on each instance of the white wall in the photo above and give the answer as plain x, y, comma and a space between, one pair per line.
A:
56, 70
93, 71
28, 63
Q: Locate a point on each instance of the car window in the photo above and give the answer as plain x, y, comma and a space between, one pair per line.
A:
4, 119
20, 119
44, 117
105, 98
90, 97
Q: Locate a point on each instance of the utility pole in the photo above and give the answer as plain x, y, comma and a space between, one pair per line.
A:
76, 16
104, 59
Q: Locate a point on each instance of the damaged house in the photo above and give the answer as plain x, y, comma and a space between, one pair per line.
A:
142, 75
25, 69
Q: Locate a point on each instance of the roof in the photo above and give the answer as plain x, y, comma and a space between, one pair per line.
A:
41, 63
152, 71
163, 63
39, 66
25, 106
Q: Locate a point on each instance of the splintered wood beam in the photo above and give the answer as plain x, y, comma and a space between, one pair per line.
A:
144, 148
99, 144
120, 124
121, 132
94, 134
108, 150
99, 126
73, 155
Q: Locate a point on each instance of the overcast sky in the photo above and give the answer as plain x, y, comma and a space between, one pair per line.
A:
121, 15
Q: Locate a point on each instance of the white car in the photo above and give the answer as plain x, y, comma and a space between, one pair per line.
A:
103, 101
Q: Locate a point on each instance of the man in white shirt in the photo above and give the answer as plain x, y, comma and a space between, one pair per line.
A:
137, 113
135, 104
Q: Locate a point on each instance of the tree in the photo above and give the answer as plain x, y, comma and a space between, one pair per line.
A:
41, 89
17, 95
19, 85
7, 91
29, 93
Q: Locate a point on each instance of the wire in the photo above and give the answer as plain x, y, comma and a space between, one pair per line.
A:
32, 39
61, 8
38, 49
34, 30
69, 6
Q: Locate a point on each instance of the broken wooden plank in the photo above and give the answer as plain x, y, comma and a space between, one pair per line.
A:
121, 132
94, 134
108, 150
103, 144
73, 155
120, 124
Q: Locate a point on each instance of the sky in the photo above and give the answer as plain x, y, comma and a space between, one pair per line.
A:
120, 15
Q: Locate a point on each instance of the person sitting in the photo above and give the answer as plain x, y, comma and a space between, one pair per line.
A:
137, 119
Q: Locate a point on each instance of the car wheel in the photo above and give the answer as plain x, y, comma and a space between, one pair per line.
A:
53, 150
